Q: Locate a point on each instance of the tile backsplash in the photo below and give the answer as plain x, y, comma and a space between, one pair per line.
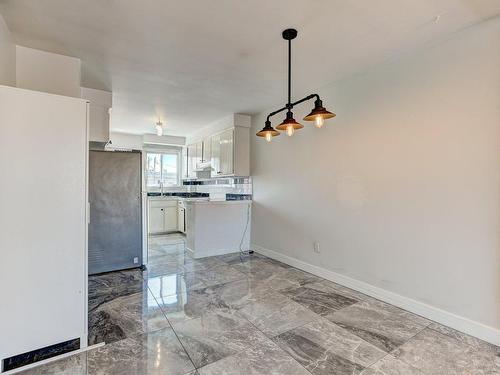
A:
216, 186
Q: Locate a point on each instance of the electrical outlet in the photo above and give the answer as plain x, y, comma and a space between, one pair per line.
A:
136, 260
316, 247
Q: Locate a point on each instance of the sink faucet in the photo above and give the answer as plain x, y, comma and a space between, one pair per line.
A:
161, 187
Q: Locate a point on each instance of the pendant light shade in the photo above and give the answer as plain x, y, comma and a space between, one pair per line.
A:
268, 132
289, 124
319, 114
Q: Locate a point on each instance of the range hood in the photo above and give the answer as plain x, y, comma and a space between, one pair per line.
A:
204, 170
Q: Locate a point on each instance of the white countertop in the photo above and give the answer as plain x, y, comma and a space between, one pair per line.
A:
199, 200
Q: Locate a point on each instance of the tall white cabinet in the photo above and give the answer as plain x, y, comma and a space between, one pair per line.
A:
43, 271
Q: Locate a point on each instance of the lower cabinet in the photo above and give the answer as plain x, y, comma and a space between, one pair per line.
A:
181, 214
162, 216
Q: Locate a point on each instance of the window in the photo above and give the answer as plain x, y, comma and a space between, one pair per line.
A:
162, 167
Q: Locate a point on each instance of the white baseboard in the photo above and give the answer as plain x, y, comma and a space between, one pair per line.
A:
460, 323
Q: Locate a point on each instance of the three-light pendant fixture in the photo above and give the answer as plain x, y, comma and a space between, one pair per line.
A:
319, 113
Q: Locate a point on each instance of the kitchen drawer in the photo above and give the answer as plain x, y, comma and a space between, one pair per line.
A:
163, 203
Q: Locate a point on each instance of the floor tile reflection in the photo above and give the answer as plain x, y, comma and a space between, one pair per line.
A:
379, 323
124, 317
249, 314
159, 352
217, 335
325, 348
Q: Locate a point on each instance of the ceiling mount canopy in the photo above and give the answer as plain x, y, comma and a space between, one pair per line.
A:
318, 114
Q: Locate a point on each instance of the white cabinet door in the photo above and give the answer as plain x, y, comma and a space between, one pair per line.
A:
180, 219
226, 152
100, 103
207, 150
199, 153
156, 220
191, 151
184, 163
215, 141
170, 219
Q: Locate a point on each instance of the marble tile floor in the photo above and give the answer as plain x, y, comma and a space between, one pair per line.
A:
254, 315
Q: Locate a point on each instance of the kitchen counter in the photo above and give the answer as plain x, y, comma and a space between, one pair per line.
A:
177, 196
207, 201
201, 198
173, 198
217, 227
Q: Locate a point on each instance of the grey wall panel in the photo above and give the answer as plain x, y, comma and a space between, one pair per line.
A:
115, 230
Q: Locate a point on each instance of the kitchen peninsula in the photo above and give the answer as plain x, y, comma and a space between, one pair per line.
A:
217, 227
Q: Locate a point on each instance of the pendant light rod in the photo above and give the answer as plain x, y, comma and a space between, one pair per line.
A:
291, 105
289, 72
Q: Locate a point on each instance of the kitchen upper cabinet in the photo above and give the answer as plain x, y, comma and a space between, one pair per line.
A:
100, 103
192, 160
184, 163
215, 158
206, 150
226, 152
162, 216
222, 153
231, 152
199, 153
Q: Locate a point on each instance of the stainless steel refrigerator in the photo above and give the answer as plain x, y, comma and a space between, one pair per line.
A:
115, 229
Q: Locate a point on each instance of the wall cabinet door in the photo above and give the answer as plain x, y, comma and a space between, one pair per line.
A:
199, 153
170, 219
184, 163
156, 220
207, 150
215, 157
191, 164
226, 152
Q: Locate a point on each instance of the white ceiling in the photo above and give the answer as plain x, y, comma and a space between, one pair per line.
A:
194, 61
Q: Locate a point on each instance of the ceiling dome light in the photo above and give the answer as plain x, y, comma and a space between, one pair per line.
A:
268, 132
159, 128
289, 124
319, 114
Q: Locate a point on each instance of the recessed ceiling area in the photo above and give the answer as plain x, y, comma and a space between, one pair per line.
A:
194, 62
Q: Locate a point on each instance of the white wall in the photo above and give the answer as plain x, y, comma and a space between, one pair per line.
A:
124, 140
164, 140
401, 189
7, 56
138, 142
47, 72
235, 119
